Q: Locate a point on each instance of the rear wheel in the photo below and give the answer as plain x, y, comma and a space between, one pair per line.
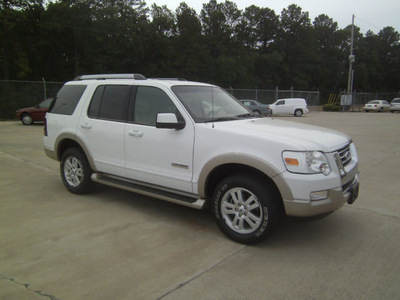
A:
269, 113
298, 112
76, 172
245, 208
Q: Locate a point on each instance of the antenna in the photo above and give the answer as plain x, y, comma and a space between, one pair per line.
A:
212, 105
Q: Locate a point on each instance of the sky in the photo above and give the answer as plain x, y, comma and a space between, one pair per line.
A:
369, 14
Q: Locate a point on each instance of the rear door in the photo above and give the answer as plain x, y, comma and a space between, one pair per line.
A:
102, 127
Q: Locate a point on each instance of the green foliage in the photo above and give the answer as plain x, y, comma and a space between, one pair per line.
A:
330, 107
254, 47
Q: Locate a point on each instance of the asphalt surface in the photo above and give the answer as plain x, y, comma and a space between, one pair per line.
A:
113, 244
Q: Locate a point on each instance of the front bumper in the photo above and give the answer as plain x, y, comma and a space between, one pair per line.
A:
339, 189
337, 197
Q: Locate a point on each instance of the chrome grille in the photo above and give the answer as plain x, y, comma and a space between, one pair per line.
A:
345, 155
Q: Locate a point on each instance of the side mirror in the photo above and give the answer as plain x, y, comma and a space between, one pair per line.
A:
169, 121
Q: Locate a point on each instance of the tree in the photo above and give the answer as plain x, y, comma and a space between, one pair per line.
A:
189, 43
295, 40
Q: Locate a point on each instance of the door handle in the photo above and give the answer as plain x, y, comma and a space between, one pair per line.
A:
135, 133
86, 125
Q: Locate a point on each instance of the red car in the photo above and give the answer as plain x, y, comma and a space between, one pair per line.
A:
35, 113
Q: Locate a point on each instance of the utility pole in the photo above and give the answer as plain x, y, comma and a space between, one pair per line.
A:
352, 59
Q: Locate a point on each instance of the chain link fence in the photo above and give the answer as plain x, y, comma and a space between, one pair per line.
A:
358, 99
15, 94
270, 96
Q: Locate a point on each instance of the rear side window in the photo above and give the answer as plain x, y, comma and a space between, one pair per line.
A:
67, 99
109, 102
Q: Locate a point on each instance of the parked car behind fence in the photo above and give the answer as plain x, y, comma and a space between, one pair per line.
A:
377, 105
395, 105
29, 115
257, 107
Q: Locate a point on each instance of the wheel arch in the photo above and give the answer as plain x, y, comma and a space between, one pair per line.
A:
221, 167
68, 141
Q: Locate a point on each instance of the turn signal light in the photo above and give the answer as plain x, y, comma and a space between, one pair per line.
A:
291, 161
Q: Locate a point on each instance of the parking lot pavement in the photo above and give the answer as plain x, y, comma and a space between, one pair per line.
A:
112, 244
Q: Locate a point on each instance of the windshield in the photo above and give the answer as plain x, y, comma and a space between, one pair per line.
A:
208, 103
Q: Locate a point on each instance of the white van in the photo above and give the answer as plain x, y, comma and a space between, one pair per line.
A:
289, 106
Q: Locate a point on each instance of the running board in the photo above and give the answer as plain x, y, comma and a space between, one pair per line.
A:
166, 194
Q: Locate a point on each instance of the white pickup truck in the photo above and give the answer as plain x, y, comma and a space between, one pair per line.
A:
194, 144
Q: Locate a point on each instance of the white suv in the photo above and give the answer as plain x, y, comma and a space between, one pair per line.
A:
194, 144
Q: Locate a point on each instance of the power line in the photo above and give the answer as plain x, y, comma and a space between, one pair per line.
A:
368, 23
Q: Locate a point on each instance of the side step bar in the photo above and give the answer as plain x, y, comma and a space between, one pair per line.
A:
169, 195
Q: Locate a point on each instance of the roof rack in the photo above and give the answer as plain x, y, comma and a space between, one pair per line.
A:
136, 76
178, 79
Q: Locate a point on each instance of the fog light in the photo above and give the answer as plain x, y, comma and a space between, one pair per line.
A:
320, 195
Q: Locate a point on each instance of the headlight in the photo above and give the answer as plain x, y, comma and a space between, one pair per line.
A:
310, 162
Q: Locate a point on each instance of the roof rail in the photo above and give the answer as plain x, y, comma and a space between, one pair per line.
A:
136, 76
178, 79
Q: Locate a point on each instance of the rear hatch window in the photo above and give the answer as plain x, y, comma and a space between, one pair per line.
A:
67, 99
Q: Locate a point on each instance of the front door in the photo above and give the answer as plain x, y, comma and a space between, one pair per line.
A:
163, 157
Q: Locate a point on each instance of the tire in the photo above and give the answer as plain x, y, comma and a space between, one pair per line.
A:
381, 109
269, 113
26, 119
298, 112
76, 172
257, 112
246, 209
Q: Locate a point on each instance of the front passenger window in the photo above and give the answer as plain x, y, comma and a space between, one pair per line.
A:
149, 102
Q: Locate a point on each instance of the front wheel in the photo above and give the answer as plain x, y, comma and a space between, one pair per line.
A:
27, 119
245, 208
76, 172
298, 113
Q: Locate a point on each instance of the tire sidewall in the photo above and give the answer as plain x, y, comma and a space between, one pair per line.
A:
30, 120
269, 211
298, 113
86, 184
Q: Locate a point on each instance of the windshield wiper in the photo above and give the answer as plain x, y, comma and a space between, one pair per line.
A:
221, 119
248, 115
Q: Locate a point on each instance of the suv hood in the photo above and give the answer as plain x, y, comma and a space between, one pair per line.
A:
299, 136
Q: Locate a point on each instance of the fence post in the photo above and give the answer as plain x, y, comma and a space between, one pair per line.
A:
291, 92
277, 93
44, 89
